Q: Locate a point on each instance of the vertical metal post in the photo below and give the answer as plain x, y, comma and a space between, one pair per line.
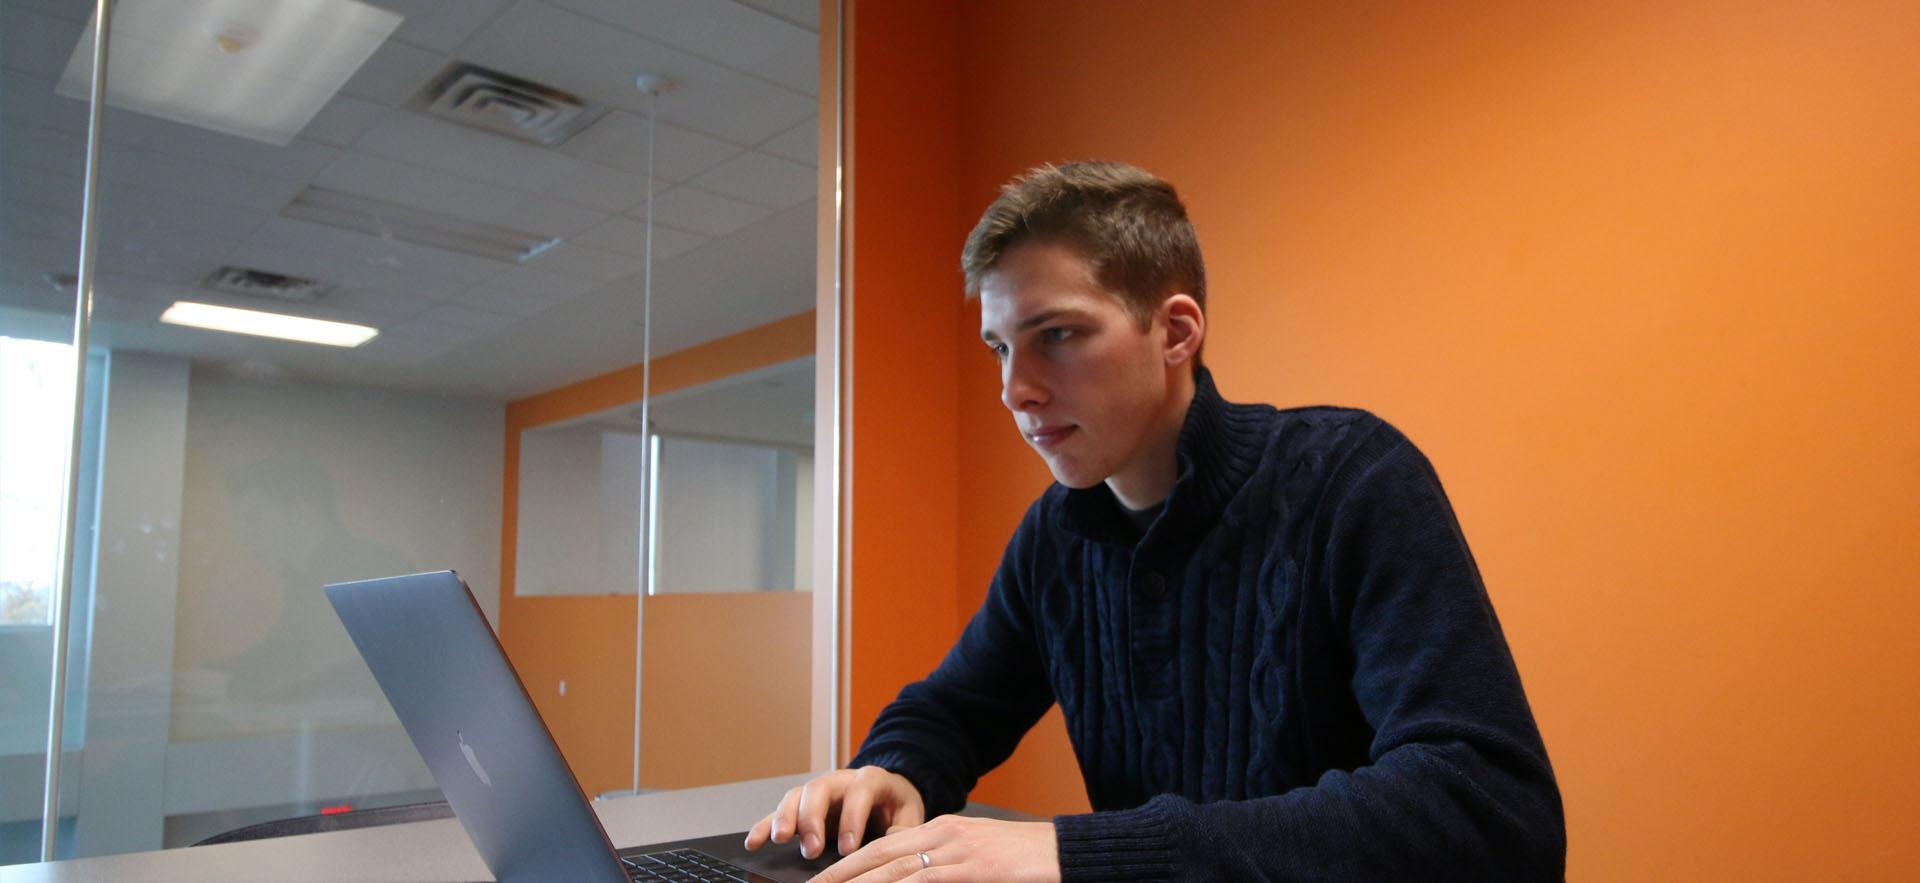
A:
649, 445
70, 509
837, 461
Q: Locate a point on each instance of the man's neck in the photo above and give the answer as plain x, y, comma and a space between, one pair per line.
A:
1148, 481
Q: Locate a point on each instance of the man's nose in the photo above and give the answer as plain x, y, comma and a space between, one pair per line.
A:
1019, 389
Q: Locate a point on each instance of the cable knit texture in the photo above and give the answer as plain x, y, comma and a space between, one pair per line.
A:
1294, 673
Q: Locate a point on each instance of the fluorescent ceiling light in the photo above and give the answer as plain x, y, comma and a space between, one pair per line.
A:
267, 324
418, 226
258, 69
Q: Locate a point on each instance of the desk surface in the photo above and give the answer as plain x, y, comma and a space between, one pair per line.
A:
420, 852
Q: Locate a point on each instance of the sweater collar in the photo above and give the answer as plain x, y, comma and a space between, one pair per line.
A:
1217, 450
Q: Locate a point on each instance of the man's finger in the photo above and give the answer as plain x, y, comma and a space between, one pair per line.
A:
853, 816
878, 855
817, 799
909, 816
897, 868
782, 823
758, 834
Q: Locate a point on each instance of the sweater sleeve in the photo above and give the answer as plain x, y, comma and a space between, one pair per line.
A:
966, 718
1457, 784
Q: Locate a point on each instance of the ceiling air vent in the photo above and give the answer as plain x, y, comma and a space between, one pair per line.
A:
260, 283
505, 105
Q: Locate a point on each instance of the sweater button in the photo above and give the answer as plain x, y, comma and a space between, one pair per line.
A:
1154, 586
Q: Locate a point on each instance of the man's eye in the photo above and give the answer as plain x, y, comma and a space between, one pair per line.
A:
999, 350
1056, 334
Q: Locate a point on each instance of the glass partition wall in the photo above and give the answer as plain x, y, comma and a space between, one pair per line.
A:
478, 204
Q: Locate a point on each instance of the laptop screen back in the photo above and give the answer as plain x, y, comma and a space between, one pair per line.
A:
443, 671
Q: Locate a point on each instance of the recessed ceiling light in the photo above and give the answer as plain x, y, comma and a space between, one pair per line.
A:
259, 69
261, 324
418, 226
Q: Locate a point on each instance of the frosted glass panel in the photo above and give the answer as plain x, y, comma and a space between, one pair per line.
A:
579, 524
729, 514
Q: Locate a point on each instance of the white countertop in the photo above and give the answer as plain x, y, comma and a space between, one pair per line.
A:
419, 852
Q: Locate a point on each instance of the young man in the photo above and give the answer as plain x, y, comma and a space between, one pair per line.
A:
1272, 648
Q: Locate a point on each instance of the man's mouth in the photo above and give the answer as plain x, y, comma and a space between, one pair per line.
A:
1049, 436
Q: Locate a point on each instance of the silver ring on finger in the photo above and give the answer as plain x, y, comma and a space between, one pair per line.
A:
926, 861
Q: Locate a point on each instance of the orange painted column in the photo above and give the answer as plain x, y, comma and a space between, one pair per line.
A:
904, 297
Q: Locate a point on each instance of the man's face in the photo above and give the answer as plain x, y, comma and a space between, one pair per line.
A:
1086, 384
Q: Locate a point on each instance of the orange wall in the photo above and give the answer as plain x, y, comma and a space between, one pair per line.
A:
903, 360
725, 671
1638, 277
588, 640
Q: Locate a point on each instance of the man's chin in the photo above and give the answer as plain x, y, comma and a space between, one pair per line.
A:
1074, 479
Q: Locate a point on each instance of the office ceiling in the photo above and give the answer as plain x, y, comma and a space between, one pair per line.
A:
734, 200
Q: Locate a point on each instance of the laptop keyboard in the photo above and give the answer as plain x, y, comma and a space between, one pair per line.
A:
682, 866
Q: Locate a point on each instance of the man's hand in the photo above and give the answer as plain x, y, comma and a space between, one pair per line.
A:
842, 803
951, 849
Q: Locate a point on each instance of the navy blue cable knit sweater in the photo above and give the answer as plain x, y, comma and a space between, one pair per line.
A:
1294, 673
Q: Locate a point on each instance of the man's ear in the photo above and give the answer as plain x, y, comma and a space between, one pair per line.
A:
1186, 328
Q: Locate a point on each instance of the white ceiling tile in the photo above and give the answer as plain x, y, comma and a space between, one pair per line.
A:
31, 293
66, 10
197, 178
629, 237
394, 72
343, 119
391, 254
31, 224
586, 57
588, 263
40, 148
701, 212
382, 306
30, 100
800, 143
299, 159
402, 183
393, 349
739, 37
527, 284
136, 289
131, 214
155, 266
460, 316
133, 237
439, 145
619, 139
49, 197
37, 43
431, 331
805, 13
504, 301
52, 254
439, 25
760, 179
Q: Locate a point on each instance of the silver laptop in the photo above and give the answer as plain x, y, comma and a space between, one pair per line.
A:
443, 671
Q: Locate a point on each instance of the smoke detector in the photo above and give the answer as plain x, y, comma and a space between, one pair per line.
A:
503, 104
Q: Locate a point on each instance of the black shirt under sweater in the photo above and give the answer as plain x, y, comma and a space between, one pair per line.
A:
1294, 673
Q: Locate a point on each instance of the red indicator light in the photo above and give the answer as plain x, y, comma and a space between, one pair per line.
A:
336, 810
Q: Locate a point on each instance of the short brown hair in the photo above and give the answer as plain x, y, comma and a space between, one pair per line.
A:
1129, 225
